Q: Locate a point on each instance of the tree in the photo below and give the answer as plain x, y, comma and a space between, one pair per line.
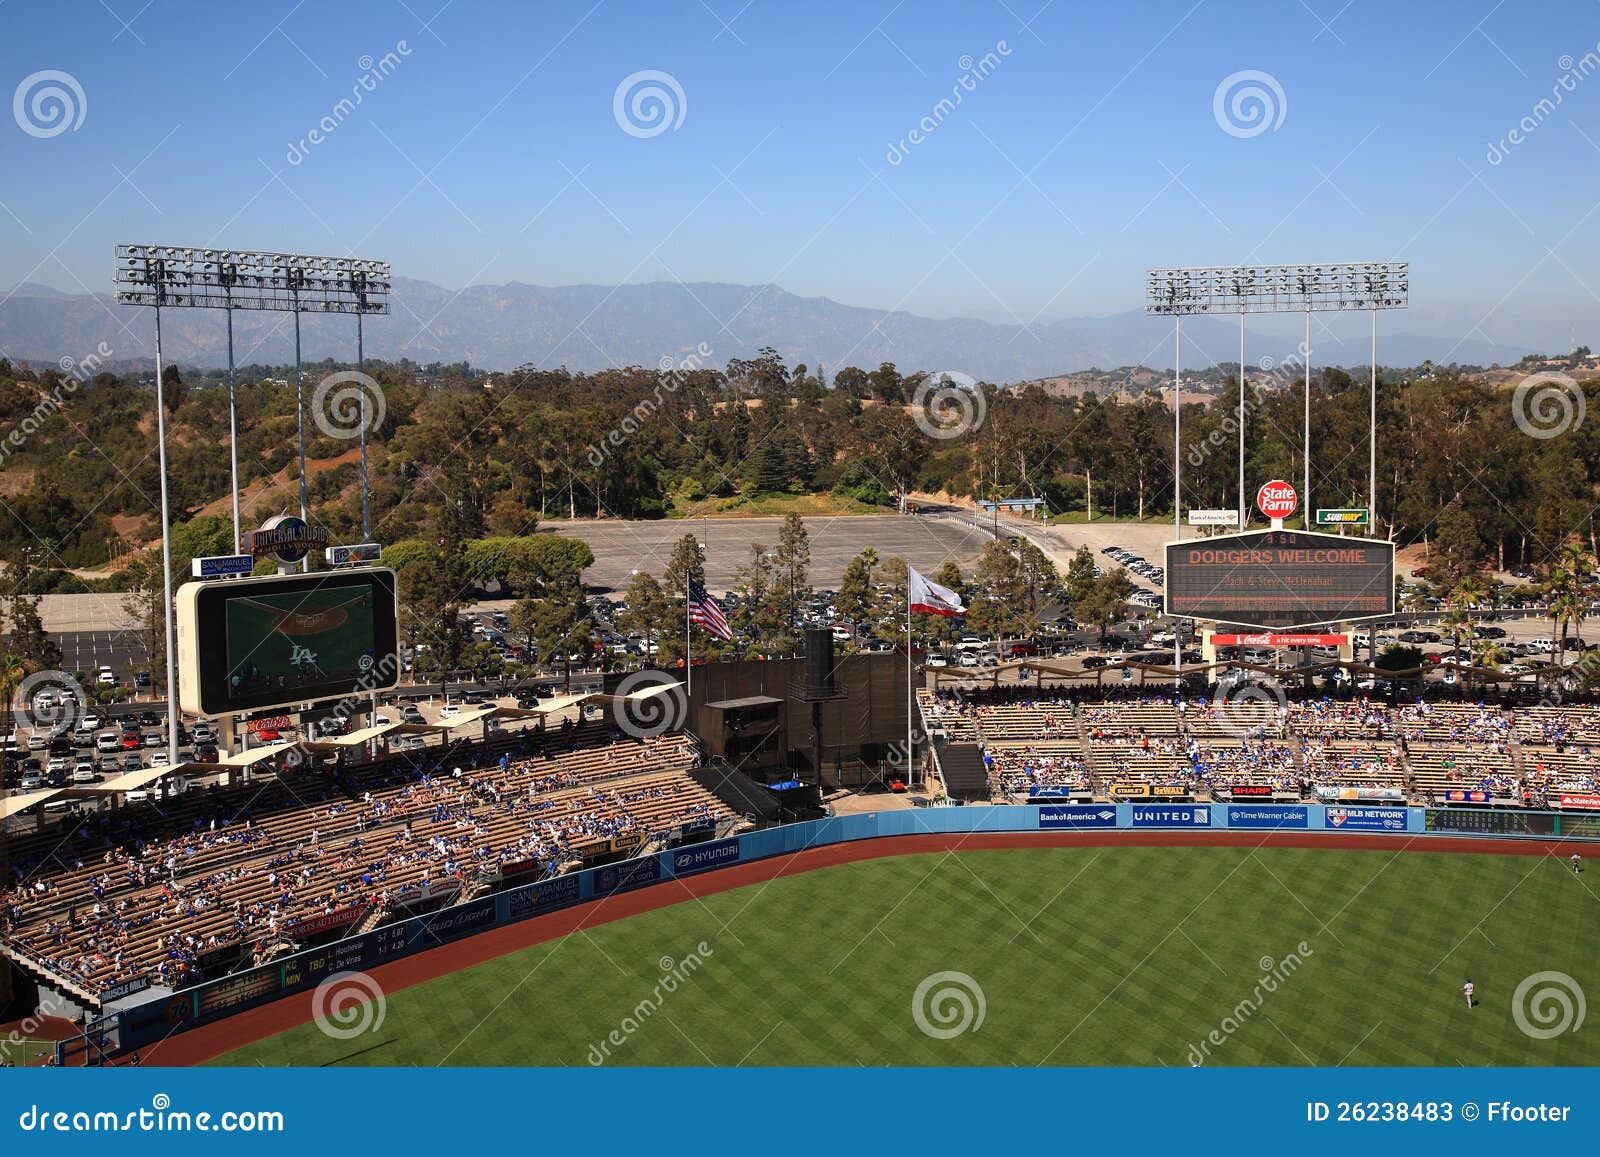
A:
524, 620
12, 672
999, 605
792, 563
688, 562
432, 593
1080, 576
563, 627
647, 610
854, 600
761, 600
23, 627
1107, 601
144, 602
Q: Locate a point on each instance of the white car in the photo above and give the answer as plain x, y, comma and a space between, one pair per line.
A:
449, 710
159, 759
90, 722
108, 741
106, 677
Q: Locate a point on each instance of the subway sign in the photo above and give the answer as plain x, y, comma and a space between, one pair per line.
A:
1280, 579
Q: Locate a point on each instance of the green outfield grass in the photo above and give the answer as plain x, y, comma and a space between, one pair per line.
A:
1127, 956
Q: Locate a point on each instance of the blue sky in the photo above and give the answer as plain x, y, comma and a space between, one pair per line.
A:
1088, 152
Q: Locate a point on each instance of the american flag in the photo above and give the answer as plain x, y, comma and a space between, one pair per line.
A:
704, 612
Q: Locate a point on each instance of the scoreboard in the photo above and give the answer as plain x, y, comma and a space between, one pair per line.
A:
285, 640
1278, 579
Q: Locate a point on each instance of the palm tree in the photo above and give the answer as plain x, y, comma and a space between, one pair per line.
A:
1567, 608
12, 672
1468, 593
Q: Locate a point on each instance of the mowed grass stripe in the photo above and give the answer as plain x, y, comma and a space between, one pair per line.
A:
1146, 953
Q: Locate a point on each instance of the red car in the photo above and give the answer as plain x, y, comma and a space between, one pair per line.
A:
897, 785
132, 741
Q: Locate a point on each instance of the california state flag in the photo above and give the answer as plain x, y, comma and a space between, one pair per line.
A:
933, 598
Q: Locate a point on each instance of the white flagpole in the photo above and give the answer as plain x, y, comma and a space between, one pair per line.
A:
911, 699
688, 640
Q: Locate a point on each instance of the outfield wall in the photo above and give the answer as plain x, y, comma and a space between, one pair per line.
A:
141, 1023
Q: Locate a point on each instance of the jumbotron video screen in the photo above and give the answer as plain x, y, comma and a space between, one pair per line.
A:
286, 640
1279, 579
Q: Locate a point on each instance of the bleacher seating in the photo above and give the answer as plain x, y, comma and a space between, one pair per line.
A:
149, 892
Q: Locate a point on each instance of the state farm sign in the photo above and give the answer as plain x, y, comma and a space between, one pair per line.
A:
1277, 499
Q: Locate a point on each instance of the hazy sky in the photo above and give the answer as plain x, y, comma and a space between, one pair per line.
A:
1089, 141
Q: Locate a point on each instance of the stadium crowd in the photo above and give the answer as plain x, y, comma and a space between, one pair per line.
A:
154, 890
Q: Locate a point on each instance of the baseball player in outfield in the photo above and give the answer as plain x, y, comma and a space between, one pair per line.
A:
1577, 863
1469, 990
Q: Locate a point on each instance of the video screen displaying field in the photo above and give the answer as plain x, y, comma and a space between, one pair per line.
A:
1279, 579
293, 640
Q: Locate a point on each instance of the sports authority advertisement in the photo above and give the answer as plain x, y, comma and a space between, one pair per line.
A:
1367, 819
1279, 579
1078, 816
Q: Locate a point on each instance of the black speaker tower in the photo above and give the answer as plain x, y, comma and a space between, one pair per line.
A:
820, 685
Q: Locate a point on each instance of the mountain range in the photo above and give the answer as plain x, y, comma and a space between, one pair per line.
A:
589, 327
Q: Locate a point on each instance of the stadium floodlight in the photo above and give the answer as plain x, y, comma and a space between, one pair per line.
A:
186, 277
1246, 289
176, 275
1230, 289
